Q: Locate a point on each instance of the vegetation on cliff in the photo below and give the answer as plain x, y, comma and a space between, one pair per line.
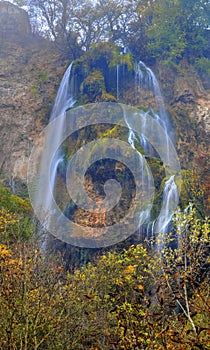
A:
166, 30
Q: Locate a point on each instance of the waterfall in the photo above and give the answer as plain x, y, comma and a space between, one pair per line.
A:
170, 196
145, 79
118, 67
147, 179
12, 184
64, 100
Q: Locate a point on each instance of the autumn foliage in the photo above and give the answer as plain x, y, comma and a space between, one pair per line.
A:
145, 297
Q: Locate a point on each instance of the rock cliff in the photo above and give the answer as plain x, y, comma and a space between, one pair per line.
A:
188, 101
29, 76
14, 24
30, 71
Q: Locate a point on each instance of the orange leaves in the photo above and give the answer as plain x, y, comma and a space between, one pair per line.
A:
89, 297
140, 287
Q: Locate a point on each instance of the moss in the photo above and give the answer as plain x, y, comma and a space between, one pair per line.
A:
34, 89
122, 59
103, 58
95, 76
113, 132
94, 58
142, 108
93, 85
106, 97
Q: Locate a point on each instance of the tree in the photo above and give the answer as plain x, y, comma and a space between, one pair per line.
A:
167, 30
194, 20
166, 39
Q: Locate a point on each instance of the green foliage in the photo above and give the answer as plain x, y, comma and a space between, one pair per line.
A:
162, 29
12, 202
15, 217
95, 70
166, 39
122, 59
93, 86
203, 65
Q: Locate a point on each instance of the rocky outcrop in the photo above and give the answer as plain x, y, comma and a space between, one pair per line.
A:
29, 76
187, 101
201, 113
14, 24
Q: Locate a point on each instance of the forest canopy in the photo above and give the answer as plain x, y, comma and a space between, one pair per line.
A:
158, 29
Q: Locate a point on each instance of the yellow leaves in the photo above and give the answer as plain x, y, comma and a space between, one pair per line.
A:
4, 251
15, 262
130, 269
206, 231
119, 281
82, 277
7, 220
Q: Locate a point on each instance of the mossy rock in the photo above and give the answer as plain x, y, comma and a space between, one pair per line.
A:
103, 60
93, 86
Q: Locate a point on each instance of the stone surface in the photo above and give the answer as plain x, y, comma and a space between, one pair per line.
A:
14, 24
29, 76
187, 101
201, 112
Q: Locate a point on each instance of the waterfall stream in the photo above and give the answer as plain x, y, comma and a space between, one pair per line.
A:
145, 79
170, 196
65, 99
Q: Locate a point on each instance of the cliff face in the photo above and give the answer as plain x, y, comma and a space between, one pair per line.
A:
188, 102
14, 24
30, 72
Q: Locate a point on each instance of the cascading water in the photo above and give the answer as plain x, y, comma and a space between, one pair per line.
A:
118, 67
146, 186
145, 76
170, 196
145, 79
64, 100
